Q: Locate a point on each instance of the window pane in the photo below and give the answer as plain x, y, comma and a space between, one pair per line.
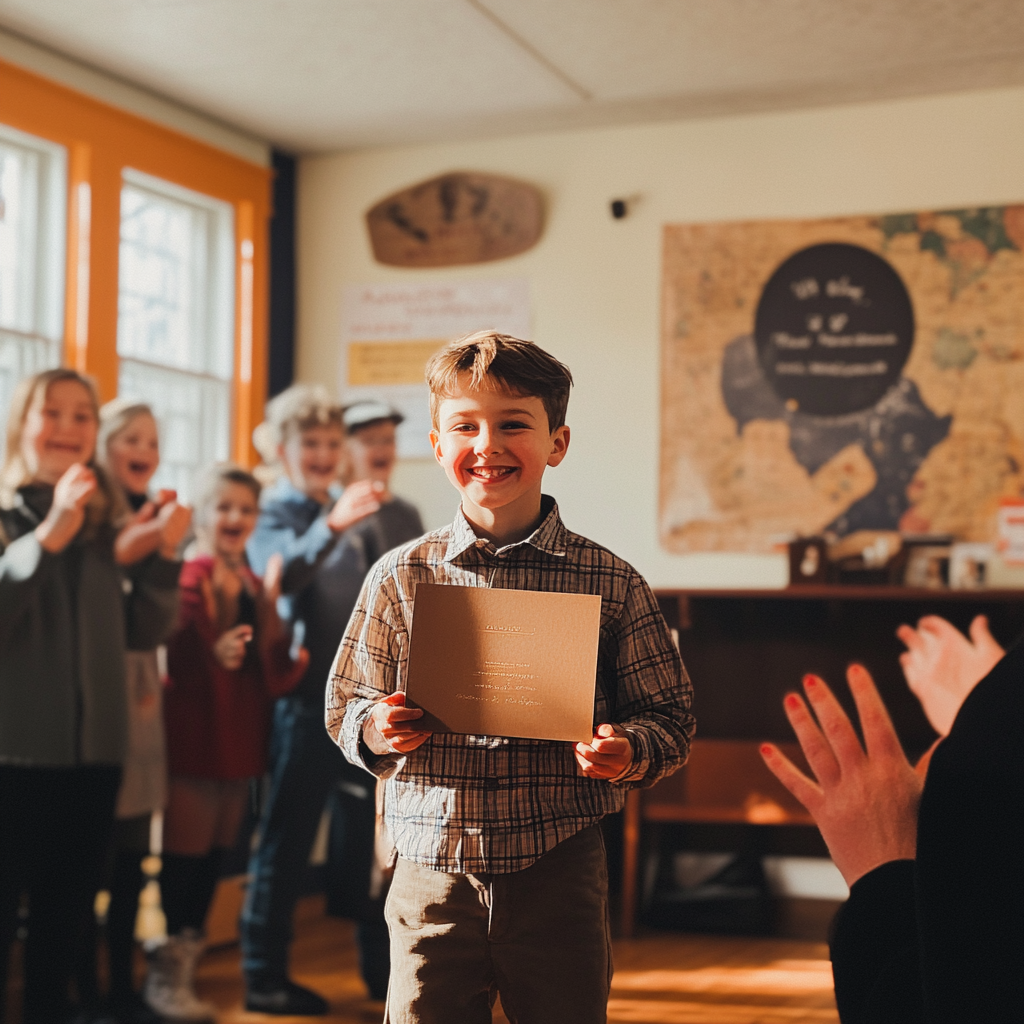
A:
175, 278
175, 328
194, 417
33, 201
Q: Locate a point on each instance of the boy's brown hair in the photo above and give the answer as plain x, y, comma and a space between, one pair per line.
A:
520, 367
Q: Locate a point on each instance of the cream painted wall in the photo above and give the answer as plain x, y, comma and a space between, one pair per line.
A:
595, 281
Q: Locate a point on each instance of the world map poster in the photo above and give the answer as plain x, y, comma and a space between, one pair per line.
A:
843, 374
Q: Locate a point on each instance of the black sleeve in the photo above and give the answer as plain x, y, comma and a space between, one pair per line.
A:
970, 857
874, 947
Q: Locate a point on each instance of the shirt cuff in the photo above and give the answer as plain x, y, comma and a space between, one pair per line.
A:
383, 766
637, 768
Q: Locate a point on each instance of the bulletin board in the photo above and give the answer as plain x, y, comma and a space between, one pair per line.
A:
843, 374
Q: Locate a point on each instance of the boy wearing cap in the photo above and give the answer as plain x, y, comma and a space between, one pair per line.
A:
328, 538
501, 884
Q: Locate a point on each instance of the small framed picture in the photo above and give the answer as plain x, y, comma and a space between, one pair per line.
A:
927, 566
968, 566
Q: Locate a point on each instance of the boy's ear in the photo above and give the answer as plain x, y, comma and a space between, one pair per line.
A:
559, 445
435, 443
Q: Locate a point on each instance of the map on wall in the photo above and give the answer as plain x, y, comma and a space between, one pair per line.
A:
838, 375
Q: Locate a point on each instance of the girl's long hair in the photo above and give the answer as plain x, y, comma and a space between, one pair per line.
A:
115, 416
106, 507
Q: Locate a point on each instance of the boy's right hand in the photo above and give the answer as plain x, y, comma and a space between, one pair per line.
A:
358, 501
388, 730
67, 513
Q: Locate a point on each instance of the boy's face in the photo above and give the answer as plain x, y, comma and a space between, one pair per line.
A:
371, 451
494, 447
310, 458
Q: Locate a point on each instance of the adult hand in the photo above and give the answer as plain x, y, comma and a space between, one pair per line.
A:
942, 666
607, 755
358, 501
229, 649
388, 730
864, 802
67, 513
174, 520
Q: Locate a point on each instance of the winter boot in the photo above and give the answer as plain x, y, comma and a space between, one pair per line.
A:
168, 990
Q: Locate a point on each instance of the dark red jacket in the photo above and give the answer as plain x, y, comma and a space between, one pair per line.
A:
218, 721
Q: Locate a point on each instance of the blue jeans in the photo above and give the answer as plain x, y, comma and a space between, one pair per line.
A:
305, 766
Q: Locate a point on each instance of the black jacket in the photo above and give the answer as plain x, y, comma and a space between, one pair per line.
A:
942, 938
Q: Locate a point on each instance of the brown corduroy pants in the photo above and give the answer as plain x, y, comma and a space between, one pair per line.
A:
539, 937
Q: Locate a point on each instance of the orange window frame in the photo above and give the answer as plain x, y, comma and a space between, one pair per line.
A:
101, 141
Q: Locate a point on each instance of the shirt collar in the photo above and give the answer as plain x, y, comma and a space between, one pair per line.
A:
551, 536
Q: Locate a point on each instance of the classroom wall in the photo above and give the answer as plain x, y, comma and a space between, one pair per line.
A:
595, 281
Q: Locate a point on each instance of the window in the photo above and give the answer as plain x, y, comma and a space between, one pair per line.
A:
175, 324
33, 203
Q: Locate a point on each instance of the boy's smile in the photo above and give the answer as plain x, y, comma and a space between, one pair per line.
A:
494, 446
311, 457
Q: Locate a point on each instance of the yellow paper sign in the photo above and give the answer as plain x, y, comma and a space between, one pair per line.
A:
379, 363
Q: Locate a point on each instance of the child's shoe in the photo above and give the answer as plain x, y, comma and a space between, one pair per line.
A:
168, 990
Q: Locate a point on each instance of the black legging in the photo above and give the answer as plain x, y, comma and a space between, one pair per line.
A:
55, 826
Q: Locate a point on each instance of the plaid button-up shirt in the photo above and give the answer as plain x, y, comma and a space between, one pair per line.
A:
474, 804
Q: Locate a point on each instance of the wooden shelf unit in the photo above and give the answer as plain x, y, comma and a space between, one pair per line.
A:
744, 650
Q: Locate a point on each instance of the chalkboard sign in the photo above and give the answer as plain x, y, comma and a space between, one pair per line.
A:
833, 329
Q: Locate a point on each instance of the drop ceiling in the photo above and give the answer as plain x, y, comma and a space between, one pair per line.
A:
326, 75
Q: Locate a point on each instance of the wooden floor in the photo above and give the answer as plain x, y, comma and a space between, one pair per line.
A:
660, 978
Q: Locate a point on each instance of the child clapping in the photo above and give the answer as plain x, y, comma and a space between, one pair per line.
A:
227, 661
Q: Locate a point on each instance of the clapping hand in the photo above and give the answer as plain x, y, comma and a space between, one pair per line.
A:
358, 501
942, 666
230, 646
67, 513
174, 521
863, 799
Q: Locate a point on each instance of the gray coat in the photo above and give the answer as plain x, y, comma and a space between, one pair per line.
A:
65, 624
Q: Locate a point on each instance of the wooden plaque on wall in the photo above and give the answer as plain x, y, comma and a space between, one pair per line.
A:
460, 217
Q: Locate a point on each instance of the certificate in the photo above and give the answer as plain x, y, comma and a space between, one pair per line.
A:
504, 662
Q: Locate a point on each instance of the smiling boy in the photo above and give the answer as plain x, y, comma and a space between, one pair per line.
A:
328, 541
501, 881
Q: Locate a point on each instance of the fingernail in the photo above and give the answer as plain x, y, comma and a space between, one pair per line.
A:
792, 701
766, 749
810, 680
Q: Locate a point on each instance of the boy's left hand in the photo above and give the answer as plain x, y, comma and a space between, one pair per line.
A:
607, 755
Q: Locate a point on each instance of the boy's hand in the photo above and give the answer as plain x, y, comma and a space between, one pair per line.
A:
358, 501
608, 754
388, 730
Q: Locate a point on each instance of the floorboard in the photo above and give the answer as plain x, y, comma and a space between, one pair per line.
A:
662, 978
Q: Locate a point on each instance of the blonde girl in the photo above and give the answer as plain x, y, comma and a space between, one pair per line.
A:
129, 451
65, 623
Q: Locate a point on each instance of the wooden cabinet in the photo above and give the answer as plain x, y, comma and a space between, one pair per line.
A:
744, 651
